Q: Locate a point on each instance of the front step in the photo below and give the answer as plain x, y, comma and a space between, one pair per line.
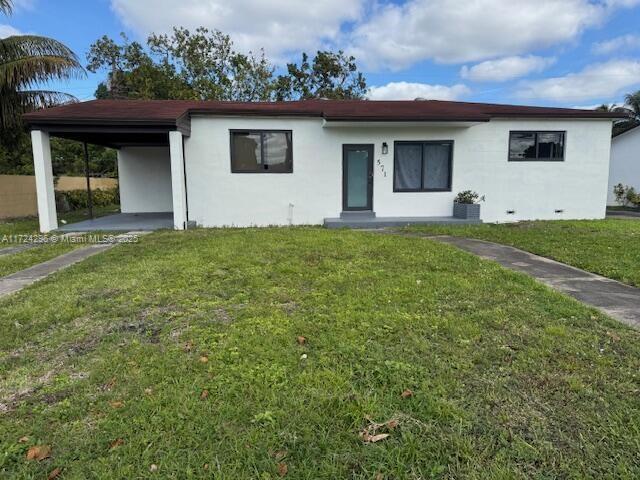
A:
358, 215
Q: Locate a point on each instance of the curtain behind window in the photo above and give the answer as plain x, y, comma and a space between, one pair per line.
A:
436, 166
408, 166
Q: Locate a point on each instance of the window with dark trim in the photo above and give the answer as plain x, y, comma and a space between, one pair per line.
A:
536, 146
422, 166
261, 151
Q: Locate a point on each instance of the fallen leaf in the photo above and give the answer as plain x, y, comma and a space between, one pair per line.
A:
153, 467
39, 452
55, 473
24, 439
376, 438
148, 391
282, 469
109, 385
204, 359
280, 454
615, 337
116, 404
206, 466
204, 395
116, 443
301, 340
392, 424
407, 393
379, 476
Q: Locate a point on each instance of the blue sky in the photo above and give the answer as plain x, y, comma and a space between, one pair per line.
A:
543, 52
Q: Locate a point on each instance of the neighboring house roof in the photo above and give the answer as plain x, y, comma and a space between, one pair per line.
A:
627, 128
143, 121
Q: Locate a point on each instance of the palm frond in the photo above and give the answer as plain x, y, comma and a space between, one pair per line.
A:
633, 101
26, 60
15, 103
6, 7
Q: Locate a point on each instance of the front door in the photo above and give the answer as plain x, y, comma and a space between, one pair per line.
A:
357, 177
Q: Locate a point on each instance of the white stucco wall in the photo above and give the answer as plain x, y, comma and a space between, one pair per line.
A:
625, 162
144, 175
216, 197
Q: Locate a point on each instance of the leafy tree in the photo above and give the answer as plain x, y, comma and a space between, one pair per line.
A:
203, 64
209, 64
330, 75
133, 73
27, 61
184, 65
67, 156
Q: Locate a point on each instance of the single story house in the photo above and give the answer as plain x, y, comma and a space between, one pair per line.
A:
625, 162
214, 164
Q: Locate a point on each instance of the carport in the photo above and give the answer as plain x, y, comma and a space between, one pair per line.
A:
150, 147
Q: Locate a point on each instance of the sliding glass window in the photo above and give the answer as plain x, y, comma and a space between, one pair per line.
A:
261, 151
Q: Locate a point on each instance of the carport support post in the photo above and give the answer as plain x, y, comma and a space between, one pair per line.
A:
178, 189
86, 173
44, 181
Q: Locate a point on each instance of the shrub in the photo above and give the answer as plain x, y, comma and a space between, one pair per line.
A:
468, 197
626, 195
77, 199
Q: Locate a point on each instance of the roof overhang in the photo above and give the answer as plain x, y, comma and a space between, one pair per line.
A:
400, 123
114, 134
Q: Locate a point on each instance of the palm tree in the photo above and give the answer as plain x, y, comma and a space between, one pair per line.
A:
27, 61
6, 7
632, 100
631, 110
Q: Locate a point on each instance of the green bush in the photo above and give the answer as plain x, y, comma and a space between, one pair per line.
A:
626, 195
467, 196
77, 199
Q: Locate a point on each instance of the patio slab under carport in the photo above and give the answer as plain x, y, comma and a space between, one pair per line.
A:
123, 222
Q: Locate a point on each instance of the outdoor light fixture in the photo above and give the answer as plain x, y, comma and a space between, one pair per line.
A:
385, 148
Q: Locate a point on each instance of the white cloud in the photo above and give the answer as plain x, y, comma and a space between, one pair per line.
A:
410, 91
617, 44
506, 68
278, 26
8, 31
601, 80
447, 31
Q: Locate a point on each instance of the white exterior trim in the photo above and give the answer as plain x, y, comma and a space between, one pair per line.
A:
47, 214
178, 188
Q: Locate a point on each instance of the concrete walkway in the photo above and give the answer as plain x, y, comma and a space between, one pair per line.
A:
16, 249
613, 298
17, 281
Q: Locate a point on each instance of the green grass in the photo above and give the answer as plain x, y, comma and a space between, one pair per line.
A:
29, 226
609, 247
510, 379
19, 261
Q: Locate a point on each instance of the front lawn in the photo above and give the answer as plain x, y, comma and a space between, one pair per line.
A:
609, 247
179, 357
27, 226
